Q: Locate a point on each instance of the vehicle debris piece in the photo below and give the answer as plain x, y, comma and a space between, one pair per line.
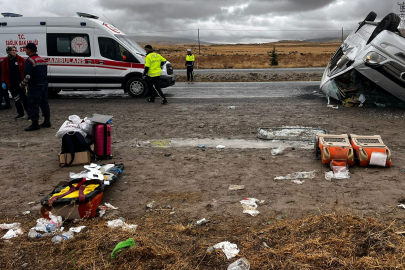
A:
277, 151
291, 133
236, 187
230, 250
297, 175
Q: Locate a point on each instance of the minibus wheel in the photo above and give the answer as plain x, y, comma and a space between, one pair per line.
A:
389, 22
370, 18
136, 87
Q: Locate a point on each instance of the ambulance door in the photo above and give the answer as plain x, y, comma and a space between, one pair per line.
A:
113, 62
71, 61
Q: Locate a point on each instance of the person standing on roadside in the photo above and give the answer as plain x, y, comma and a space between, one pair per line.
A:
35, 78
190, 59
152, 72
12, 74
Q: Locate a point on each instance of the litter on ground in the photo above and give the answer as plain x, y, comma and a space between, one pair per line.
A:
202, 221
249, 206
119, 223
241, 264
230, 250
236, 187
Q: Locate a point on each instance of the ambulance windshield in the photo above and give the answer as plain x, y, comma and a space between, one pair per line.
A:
131, 44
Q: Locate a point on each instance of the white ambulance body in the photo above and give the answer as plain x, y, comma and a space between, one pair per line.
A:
82, 52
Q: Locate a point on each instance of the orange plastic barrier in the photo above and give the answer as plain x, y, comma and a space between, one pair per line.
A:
365, 146
334, 147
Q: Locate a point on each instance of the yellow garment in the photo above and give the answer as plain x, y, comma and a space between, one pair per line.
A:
75, 194
190, 57
153, 61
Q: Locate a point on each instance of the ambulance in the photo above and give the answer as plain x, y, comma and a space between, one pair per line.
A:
83, 53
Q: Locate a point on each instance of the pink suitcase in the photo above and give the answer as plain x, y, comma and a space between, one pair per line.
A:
102, 141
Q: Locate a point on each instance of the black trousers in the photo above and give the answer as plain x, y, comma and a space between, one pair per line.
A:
20, 99
190, 73
38, 98
154, 87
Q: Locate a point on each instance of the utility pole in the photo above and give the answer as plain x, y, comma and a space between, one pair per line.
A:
199, 46
342, 34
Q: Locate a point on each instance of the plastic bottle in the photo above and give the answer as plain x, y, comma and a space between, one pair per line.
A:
34, 234
231, 107
51, 227
241, 264
63, 237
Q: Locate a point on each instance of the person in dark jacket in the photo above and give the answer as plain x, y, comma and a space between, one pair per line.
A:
35, 80
12, 74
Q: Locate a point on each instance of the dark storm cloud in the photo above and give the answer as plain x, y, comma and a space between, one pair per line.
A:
157, 16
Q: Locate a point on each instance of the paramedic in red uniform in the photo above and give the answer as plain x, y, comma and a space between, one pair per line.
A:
152, 72
12, 74
35, 78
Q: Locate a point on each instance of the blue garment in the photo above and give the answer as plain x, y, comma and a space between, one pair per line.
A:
38, 98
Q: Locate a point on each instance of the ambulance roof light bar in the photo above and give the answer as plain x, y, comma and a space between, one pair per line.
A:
85, 15
8, 14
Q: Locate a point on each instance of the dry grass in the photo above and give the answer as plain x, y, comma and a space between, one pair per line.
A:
317, 242
291, 54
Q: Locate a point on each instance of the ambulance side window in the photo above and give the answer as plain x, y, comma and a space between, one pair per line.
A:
111, 49
68, 45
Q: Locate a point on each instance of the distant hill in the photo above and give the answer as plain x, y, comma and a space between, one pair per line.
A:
168, 41
326, 40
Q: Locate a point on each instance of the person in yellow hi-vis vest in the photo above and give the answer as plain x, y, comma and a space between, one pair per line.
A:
152, 71
190, 59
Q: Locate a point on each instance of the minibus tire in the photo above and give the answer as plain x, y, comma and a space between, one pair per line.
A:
389, 22
136, 87
370, 18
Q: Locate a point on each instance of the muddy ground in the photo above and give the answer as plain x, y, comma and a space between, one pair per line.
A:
195, 181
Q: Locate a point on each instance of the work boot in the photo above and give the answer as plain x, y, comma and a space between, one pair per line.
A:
34, 126
164, 102
151, 100
20, 116
47, 122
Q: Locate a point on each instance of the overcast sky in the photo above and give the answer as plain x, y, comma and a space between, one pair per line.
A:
158, 16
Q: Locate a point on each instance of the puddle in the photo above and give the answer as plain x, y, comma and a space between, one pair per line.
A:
228, 143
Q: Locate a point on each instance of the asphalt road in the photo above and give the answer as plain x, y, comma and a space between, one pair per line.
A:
261, 70
215, 90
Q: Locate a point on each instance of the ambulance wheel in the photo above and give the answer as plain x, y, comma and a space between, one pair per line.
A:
53, 92
389, 22
370, 18
136, 87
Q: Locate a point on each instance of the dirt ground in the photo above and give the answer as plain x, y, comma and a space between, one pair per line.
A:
194, 181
